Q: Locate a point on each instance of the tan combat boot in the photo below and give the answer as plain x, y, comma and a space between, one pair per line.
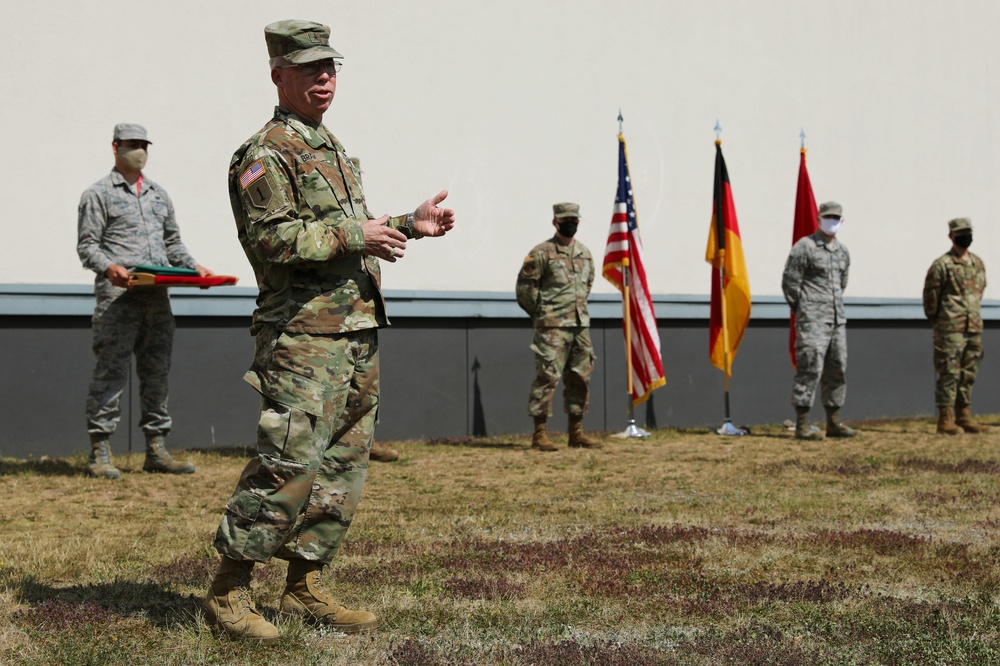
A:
229, 609
158, 459
802, 428
100, 464
305, 597
579, 439
383, 453
964, 420
540, 439
834, 426
946, 422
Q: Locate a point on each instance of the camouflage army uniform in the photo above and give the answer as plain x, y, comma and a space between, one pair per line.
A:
299, 207
119, 224
813, 284
953, 290
552, 287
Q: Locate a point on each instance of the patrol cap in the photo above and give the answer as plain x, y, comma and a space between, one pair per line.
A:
299, 42
959, 224
831, 209
130, 131
561, 210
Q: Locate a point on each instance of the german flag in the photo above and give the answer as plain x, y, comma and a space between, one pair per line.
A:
730, 307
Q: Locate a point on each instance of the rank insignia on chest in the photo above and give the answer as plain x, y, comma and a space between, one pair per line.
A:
255, 171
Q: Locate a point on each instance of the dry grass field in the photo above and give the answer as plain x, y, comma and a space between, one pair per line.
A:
685, 548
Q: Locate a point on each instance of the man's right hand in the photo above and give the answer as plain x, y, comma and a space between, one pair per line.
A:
118, 275
381, 241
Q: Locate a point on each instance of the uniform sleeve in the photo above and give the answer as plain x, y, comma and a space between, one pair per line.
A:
528, 280
91, 221
177, 253
280, 226
590, 281
791, 279
847, 269
932, 290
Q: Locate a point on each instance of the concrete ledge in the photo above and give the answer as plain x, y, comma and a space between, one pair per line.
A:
78, 300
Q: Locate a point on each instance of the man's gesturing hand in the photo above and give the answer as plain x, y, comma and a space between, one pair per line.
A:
381, 241
429, 220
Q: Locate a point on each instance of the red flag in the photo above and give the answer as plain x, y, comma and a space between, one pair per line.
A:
804, 225
725, 252
623, 265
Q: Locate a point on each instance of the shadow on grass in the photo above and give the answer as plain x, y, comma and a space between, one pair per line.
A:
65, 607
473, 443
40, 467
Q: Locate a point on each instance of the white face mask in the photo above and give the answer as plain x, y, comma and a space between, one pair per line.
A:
830, 225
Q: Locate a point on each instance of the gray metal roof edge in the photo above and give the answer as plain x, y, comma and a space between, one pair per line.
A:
77, 300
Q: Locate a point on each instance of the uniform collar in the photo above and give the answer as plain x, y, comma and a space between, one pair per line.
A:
316, 137
821, 240
118, 180
566, 249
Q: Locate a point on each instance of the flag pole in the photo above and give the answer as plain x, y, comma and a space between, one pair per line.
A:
631, 430
727, 427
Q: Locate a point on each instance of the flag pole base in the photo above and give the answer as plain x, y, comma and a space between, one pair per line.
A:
633, 432
729, 429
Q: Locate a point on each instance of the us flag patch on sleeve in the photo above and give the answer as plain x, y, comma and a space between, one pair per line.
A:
255, 171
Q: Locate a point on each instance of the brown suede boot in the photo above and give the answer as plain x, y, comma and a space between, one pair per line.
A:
579, 439
946, 422
158, 459
540, 439
802, 428
834, 426
305, 597
100, 464
229, 608
964, 420
383, 453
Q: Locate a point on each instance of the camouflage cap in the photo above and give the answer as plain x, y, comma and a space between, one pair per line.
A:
831, 209
561, 210
127, 131
959, 224
299, 42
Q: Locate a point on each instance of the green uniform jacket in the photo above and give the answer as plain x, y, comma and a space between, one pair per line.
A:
953, 291
554, 283
298, 205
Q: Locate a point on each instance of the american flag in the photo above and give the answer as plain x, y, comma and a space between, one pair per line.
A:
623, 254
255, 171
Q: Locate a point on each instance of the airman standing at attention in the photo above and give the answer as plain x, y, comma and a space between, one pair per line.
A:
552, 288
813, 284
953, 291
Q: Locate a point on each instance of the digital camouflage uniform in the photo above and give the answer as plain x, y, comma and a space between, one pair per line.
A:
298, 205
552, 287
813, 284
121, 224
953, 290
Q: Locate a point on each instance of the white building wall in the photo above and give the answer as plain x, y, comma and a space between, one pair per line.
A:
511, 106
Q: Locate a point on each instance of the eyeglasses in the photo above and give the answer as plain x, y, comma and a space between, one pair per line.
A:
331, 67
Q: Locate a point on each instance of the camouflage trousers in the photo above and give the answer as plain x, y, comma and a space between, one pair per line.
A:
820, 358
127, 322
297, 498
565, 353
956, 361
